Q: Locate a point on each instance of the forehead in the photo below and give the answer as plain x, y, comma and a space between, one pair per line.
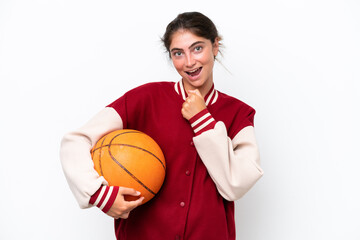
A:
184, 39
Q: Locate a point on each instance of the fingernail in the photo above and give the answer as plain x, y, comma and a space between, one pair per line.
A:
138, 193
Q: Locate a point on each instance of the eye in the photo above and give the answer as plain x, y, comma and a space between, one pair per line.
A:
198, 48
177, 54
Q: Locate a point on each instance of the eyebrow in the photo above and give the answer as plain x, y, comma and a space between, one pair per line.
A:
195, 43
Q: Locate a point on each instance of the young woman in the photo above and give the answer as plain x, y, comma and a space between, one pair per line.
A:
207, 138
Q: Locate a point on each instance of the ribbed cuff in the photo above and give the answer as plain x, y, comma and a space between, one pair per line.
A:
202, 122
104, 197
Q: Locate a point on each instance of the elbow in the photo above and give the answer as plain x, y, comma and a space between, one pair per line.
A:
234, 194
231, 197
65, 149
74, 137
237, 189
71, 143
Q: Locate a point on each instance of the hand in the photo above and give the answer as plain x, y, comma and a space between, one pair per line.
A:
122, 208
193, 104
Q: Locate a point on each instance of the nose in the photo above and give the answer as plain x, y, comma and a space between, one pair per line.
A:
190, 61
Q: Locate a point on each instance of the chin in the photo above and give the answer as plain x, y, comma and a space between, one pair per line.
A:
196, 83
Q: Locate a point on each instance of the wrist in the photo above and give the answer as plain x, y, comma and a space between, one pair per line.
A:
104, 197
202, 122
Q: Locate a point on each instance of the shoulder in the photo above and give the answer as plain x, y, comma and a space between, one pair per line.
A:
142, 94
151, 87
234, 103
234, 113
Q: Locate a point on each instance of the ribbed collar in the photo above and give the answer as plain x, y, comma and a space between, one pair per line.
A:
210, 97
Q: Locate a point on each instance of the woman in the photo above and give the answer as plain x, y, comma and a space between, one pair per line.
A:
207, 138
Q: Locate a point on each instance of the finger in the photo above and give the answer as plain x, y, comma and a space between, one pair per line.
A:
128, 191
191, 98
184, 113
195, 92
130, 205
124, 215
185, 105
191, 93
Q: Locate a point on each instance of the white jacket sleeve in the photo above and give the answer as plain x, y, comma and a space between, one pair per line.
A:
234, 165
75, 155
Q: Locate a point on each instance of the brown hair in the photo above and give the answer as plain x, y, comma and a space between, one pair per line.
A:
195, 22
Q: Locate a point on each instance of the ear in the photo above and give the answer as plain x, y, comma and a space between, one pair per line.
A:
216, 46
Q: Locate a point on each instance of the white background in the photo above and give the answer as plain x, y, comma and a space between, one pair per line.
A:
296, 62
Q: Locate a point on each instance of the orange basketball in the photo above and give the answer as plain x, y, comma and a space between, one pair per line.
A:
130, 158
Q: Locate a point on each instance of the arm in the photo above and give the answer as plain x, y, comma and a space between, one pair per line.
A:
233, 165
75, 156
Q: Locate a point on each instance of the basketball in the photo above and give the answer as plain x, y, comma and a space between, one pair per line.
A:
132, 159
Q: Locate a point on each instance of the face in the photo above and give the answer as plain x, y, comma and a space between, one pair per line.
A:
193, 57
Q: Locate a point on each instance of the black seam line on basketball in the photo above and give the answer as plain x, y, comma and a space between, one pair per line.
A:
119, 144
136, 146
128, 172
115, 137
142, 149
101, 146
123, 167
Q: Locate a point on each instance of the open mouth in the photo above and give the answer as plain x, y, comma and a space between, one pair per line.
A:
194, 72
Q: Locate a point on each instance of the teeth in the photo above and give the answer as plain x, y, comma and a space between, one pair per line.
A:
193, 70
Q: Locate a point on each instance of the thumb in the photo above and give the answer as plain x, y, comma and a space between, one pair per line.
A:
195, 91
